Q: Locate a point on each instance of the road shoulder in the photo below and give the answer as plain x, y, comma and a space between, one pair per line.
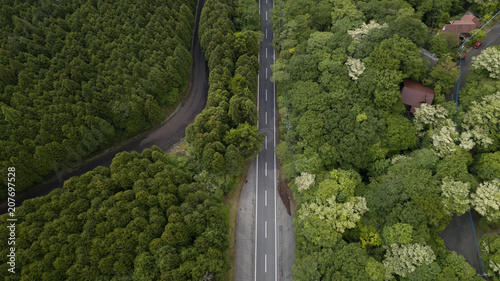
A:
286, 242
245, 229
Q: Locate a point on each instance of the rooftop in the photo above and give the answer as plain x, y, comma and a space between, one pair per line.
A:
464, 25
414, 94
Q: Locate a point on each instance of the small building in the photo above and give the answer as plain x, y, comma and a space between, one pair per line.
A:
414, 94
430, 56
463, 26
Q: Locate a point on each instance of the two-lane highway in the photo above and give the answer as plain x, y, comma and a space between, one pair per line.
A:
265, 209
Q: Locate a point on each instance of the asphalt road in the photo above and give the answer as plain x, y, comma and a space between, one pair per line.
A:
459, 234
163, 136
265, 214
492, 39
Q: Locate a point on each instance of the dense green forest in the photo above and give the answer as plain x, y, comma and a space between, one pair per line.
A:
375, 187
224, 134
150, 216
76, 74
144, 218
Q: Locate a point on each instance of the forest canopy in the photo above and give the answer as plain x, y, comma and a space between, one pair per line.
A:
376, 185
149, 216
225, 134
144, 218
74, 75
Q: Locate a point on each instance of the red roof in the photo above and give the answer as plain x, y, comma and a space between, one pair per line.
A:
471, 18
414, 94
465, 25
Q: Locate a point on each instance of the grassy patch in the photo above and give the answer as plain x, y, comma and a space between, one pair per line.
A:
231, 201
179, 149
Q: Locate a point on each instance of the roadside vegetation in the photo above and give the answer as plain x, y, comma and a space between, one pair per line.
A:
375, 186
480, 98
76, 75
224, 135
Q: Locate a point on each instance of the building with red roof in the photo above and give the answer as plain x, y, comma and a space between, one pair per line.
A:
463, 26
414, 94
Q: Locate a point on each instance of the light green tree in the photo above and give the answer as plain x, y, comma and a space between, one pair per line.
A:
279, 72
359, 33
313, 232
369, 236
429, 117
481, 124
455, 196
433, 120
443, 43
490, 246
304, 181
340, 216
444, 138
340, 183
374, 269
321, 45
404, 259
486, 200
399, 233
355, 67
401, 134
488, 60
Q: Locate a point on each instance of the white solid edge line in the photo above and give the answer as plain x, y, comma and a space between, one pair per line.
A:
256, 178
275, 187
256, 213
